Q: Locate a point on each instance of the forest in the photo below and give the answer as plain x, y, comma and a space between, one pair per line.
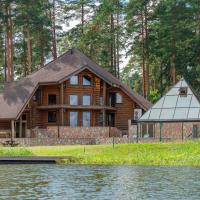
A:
148, 44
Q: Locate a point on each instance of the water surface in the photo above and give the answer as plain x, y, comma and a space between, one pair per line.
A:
98, 182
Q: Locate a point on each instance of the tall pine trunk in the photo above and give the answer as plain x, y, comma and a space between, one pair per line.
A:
82, 17
29, 47
144, 92
53, 21
9, 46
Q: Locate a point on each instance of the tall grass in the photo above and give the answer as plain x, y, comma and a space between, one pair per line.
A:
165, 154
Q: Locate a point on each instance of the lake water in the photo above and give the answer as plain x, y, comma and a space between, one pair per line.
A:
98, 182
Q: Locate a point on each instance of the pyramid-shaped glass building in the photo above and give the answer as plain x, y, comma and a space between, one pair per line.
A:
179, 104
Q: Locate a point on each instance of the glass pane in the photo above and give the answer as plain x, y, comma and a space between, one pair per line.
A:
86, 80
73, 119
86, 100
193, 113
184, 84
52, 116
170, 101
184, 101
181, 113
155, 114
118, 98
159, 103
52, 99
167, 114
101, 101
73, 100
145, 116
194, 102
74, 80
173, 91
86, 119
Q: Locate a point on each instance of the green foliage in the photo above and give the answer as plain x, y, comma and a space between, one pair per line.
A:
154, 95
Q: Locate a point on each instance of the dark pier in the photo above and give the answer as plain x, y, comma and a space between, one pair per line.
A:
32, 159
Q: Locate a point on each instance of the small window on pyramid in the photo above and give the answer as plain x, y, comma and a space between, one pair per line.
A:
183, 91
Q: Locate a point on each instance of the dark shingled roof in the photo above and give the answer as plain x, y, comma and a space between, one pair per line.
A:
15, 96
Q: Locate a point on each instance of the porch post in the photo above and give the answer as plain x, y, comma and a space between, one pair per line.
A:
12, 129
160, 132
182, 131
104, 103
137, 133
61, 103
20, 126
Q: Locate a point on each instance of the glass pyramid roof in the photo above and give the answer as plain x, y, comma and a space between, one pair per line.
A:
179, 104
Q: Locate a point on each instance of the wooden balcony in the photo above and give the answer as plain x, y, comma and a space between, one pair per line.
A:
78, 107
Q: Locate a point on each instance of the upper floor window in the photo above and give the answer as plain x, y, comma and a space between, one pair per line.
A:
86, 100
101, 101
74, 80
118, 98
86, 80
52, 116
51, 99
73, 100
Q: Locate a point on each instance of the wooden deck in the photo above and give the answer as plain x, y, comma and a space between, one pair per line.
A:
32, 159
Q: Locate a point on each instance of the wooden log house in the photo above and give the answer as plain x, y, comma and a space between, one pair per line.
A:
69, 91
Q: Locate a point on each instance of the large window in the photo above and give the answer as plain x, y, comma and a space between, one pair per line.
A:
86, 118
86, 100
74, 80
73, 100
73, 119
118, 98
52, 116
86, 80
51, 99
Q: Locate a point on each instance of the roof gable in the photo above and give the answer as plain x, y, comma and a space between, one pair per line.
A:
179, 104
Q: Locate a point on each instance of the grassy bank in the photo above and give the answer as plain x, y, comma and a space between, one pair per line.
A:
168, 154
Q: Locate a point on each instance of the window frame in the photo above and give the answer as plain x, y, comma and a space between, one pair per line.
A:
77, 80
86, 95
77, 120
70, 100
86, 125
83, 81
52, 121
55, 99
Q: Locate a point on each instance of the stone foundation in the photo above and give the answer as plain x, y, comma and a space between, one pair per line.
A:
76, 132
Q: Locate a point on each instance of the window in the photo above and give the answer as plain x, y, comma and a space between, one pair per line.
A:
52, 116
86, 119
183, 91
73, 119
51, 99
86, 80
118, 98
86, 100
73, 100
112, 99
74, 80
101, 101
101, 119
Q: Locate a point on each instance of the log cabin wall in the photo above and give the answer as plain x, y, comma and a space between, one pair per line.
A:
5, 125
123, 111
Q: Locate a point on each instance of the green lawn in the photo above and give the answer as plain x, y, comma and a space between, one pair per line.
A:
169, 154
